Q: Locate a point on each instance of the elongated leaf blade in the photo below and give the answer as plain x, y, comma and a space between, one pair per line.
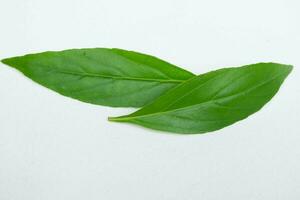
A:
213, 100
111, 77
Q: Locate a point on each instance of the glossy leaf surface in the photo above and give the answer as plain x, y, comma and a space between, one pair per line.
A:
111, 77
213, 100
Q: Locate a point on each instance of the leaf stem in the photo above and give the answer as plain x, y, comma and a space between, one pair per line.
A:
116, 119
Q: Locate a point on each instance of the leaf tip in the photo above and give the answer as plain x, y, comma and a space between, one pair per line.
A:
9, 61
5, 61
290, 67
14, 62
285, 68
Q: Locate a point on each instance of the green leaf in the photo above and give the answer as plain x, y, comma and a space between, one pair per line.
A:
111, 77
213, 100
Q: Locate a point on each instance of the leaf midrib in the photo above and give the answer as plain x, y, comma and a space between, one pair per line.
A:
200, 104
120, 77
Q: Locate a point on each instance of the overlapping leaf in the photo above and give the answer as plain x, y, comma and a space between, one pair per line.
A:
213, 100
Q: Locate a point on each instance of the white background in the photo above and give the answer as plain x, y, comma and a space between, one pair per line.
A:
57, 148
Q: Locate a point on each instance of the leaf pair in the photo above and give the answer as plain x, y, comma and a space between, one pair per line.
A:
175, 99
